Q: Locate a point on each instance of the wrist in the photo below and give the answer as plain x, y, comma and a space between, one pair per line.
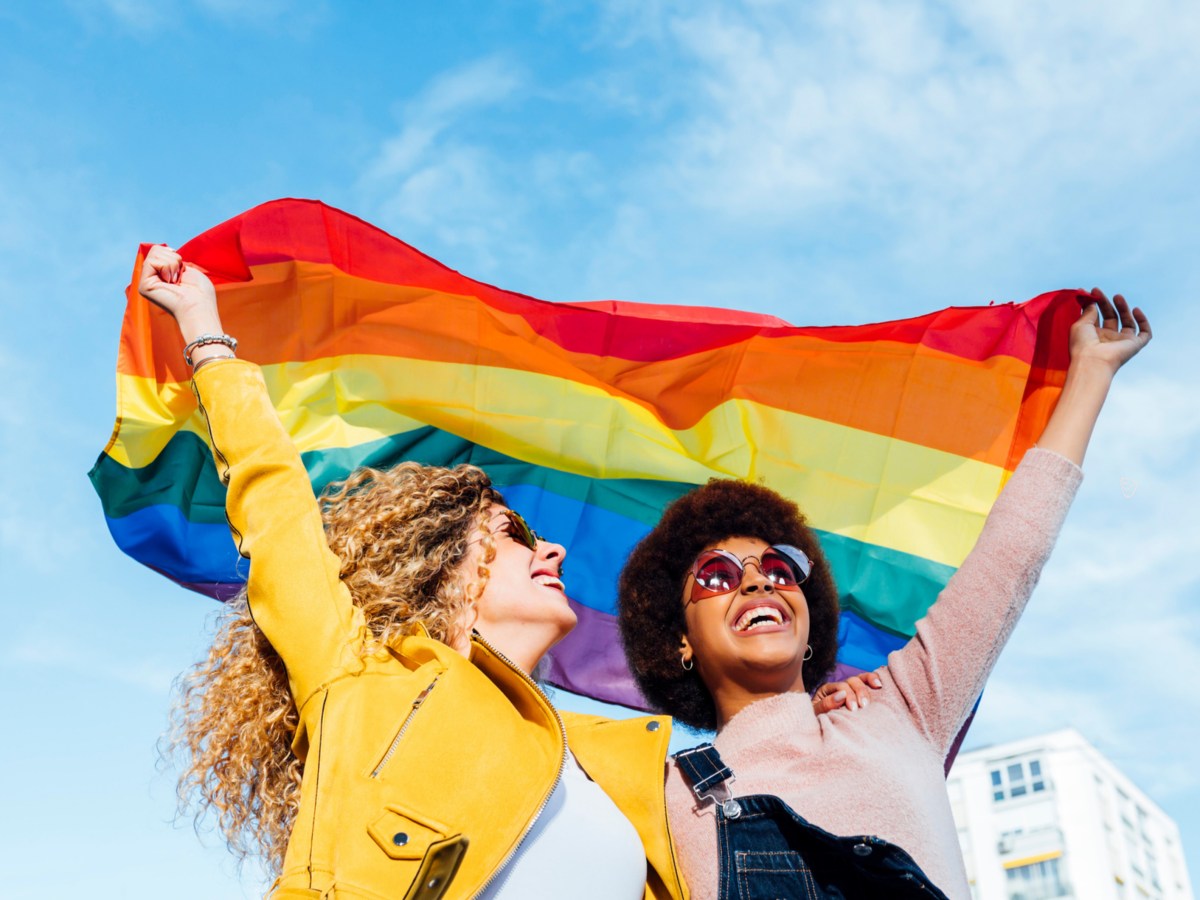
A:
1092, 367
201, 347
1090, 374
200, 361
196, 321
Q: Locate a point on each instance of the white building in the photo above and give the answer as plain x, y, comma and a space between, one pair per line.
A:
1050, 817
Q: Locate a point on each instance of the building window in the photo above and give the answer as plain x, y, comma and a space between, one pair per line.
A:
1152, 870
1016, 779
1041, 880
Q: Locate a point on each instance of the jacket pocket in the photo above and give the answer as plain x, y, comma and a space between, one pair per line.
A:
401, 834
404, 836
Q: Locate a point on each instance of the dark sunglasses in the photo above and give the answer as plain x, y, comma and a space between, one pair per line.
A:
518, 529
717, 572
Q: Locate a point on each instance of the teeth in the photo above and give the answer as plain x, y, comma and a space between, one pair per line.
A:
770, 612
548, 580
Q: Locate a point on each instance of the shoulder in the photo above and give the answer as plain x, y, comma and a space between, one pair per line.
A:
585, 724
598, 740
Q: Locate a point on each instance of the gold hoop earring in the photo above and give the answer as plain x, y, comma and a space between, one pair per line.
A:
808, 654
688, 664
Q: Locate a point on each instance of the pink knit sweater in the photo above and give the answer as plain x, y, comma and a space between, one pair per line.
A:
879, 770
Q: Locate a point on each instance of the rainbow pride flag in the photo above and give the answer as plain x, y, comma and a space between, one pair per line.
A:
895, 438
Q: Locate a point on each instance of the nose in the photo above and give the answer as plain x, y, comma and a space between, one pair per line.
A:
753, 579
551, 552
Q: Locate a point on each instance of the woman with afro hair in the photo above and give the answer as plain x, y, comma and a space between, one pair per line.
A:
729, 616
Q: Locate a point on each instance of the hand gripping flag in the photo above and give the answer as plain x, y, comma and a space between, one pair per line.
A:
895, 438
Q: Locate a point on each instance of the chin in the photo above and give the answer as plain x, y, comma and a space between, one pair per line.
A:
783, 660
564, 618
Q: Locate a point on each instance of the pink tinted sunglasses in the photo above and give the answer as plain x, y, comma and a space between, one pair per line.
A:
717, 572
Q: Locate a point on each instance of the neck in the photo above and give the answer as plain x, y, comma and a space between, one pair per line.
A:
523, 651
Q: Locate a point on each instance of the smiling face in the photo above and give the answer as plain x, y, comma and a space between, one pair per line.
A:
750, 639
523, 609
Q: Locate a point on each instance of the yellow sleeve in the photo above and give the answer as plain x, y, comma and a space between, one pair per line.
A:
294, 591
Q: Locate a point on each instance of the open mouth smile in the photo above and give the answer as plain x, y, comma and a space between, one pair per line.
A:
548, 579
761, 615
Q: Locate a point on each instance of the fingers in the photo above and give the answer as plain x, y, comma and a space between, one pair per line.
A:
1108, 313
1111, 335
162, 266
828, 702
853, 693
1143, 324
1124, 314
862, 685
166, 261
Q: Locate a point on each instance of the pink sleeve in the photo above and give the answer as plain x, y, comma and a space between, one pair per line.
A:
940, 673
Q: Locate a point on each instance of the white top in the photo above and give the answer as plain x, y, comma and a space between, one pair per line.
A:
581, 847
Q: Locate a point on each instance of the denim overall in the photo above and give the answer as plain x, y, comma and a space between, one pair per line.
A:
767, 852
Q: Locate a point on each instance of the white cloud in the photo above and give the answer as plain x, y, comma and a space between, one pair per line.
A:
65, 654
872, 103
260, 10
438, 180
444, 103
147, 16
139, 15
959, 152
65, 253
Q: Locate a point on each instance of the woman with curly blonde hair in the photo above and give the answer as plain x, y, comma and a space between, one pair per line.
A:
364, 720
395, 532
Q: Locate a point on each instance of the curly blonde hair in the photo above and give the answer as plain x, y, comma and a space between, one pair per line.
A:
401, 534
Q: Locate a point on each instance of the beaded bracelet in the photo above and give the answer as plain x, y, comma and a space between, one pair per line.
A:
204, 339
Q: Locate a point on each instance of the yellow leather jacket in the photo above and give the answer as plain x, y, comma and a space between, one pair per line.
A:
423, 770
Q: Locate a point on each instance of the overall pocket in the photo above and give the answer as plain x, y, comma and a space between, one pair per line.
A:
768, 875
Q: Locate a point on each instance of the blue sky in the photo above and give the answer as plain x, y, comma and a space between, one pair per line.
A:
827, 162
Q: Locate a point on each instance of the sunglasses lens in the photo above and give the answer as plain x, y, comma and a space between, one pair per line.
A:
779, 569
520, 530
717, 573
796, 559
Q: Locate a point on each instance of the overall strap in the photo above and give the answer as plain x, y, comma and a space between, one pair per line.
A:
703, 768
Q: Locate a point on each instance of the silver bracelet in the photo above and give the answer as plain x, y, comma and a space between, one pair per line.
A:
204, 339
204, 362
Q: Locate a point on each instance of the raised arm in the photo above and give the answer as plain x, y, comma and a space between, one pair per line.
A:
293, 588
941, 671
1107, 335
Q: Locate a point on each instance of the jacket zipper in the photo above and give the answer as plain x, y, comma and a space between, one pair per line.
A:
562, 763
224, 475
416, 704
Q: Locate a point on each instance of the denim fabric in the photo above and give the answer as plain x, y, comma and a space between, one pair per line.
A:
768, 852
